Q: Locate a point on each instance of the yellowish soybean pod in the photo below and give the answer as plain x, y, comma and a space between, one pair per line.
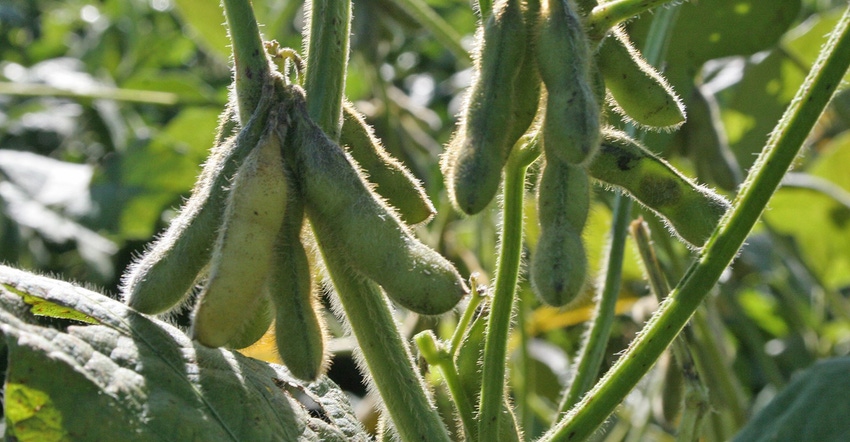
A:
391, 178
642, 94
692, 211
299, 330
243, 252
480, 147
256, 326
163, 277
559, 264
571, 125
351, 221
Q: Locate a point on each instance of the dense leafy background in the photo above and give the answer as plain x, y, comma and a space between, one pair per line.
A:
107, 109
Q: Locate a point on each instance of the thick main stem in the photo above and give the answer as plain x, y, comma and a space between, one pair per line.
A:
251, 66
593, 351
327, 61
780, 151
387, 355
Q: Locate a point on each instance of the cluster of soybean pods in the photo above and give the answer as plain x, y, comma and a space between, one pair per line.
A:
538, 73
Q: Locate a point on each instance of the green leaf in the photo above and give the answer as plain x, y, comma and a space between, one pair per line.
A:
814, 407
148, 178
41, 307
34, 414
144, 380
207, 19
821, 231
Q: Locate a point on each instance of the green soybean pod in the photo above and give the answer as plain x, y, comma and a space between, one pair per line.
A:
391, 178
243, 252
526, 87
348, 219
559, 264
691, 211
572, 120
163, 276
473, 162
260, 319
299, 330
641, 93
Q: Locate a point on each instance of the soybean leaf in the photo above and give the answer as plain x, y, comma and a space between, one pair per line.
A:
822, 229
207, 20
813, 407
142, 379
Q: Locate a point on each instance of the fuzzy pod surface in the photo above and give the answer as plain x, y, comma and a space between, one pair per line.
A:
299, 330
572, 120
391, 178
488, 126
641, 93
692, 211
243, 252
559, 264
349, 219
163, 276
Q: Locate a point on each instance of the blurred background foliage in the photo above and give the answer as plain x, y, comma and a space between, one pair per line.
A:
108, 108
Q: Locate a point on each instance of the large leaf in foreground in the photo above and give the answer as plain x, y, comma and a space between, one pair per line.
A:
130, 377
814, 407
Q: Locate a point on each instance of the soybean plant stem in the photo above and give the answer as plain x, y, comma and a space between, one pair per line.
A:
327, 61
600, 329
437, 356
607, 15
507, 271
387, 355
696, 395
475, 299
783, 146
251, 67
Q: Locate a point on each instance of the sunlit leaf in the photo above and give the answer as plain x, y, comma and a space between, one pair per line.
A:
142, 379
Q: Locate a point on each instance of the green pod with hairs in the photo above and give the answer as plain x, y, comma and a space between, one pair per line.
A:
299, 330
165, 274
572, 120
349, 220
526, 87
256, 326
691, 211
479, 149
559, 264
243, 252
391, 178
641, 93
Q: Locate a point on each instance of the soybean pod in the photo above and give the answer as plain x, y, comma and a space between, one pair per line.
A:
391, 178
349, 220
480, 147
641, 94
572, 120
692, 211
163, 276
559, 264
257, 324
243, 251
299, 330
